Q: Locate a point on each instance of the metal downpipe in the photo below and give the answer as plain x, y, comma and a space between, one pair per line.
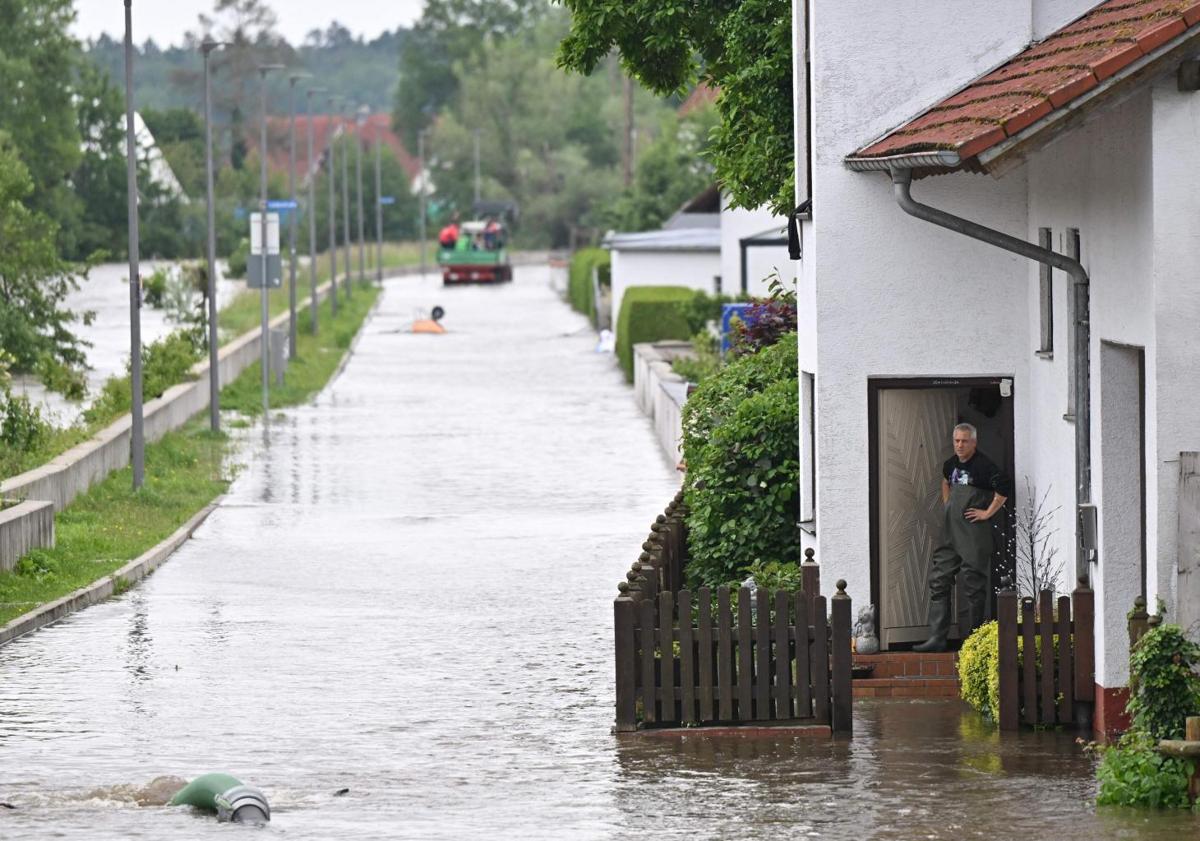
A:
1081, 336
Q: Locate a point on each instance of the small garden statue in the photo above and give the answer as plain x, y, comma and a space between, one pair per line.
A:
865, 640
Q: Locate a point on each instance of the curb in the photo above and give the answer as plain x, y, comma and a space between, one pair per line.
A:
98, 591
345, 360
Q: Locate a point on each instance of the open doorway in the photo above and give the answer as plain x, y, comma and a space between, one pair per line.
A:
911, 424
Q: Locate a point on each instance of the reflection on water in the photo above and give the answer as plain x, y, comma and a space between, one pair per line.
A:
407, 594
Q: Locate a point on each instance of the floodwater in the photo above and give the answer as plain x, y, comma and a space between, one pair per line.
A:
407, 594
105, 292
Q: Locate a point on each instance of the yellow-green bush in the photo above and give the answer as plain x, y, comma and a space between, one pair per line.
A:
979, 670
579, 278
650, 314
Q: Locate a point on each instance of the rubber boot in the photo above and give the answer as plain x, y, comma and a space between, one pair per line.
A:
939, 627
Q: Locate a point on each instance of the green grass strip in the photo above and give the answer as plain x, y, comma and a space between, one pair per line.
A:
111, 524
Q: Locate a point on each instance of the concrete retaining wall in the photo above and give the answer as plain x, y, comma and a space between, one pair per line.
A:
659, 392
80, 467
25, 526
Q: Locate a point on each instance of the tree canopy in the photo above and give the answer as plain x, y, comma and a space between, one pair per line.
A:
742, 48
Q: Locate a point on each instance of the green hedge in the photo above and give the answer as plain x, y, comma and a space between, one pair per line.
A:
650, 314
579, 278
743, 467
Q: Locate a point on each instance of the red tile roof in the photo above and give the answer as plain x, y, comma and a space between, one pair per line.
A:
1045, 77
324, 126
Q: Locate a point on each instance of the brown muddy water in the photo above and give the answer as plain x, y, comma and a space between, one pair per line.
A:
407, 594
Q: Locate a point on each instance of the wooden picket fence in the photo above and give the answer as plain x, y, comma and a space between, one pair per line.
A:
748, 657
1048, 678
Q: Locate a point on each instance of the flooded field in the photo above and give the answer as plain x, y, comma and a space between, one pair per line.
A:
407, 594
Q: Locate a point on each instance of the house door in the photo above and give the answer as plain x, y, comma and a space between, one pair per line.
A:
912, 428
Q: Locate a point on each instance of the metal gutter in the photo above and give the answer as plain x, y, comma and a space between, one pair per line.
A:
1081, 332
940, 159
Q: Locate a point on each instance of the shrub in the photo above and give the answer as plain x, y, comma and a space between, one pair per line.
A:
239, 258
1133, 773
649, 314
165, 363
767, 321
742, 455
979, 670
22, 427
154, 288
705, 363
1164, 688
579, 278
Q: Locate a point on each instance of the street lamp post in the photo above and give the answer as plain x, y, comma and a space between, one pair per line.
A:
358, 138
264, 334
312, 213
214, 371
137, 442
346, 286
421, 202
378, 209
292, 79
476, 166
331, 159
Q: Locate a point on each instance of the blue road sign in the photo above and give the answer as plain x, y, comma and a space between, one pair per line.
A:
281, 204
387, 199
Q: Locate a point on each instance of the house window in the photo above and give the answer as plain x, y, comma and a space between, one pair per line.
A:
1071, 248
808, 447
1046, 298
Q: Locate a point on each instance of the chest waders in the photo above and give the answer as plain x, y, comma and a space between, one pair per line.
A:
965, 546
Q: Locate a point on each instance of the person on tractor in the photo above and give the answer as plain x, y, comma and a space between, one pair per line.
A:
448, 237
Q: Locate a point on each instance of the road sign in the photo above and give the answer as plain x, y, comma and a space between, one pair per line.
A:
387, 199
254, 264
256, 234
282, 204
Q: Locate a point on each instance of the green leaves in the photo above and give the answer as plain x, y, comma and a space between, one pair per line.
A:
1164, 686
741, 446
979, 670
1133, 773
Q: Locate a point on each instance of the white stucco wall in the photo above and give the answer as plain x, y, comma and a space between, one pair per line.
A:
761, 261
885, 295
692, 269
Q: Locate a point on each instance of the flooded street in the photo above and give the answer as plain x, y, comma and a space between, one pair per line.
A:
407, 593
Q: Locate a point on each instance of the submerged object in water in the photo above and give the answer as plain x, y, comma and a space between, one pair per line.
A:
227, 796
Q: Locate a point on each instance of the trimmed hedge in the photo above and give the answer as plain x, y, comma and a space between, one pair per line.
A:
650, 314
579, 278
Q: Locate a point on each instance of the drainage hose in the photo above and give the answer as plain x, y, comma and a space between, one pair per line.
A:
227, 796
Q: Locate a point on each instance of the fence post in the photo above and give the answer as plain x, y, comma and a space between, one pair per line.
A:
1139, 621
810, 579
843, 701
1006, 614
1083, 602
626, 661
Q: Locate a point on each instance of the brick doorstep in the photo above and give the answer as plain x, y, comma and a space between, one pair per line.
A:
906, 687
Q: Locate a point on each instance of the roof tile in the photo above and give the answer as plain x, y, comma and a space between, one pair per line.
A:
1047, 76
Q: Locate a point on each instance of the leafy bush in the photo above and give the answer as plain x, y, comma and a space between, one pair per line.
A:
165, 363
649, 314
1133, 773
767, 321
979, 670
776, 575
579, 278
1164, 688
154, 288
742, 455
239, 258
705, 362
22, 427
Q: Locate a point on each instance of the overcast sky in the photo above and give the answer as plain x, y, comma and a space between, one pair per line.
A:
166, 20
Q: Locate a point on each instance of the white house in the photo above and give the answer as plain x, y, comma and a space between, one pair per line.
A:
1039, 118
753, 249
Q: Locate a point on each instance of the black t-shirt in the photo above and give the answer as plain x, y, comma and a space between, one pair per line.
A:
979, 471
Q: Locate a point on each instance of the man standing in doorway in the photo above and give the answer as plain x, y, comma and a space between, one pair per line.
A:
973, 490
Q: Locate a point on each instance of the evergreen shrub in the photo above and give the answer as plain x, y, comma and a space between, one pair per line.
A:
650, 314
743, 466
579, 278
979, 670
1164, 688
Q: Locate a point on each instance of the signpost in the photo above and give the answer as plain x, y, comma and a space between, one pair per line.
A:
387, 199
273, 261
